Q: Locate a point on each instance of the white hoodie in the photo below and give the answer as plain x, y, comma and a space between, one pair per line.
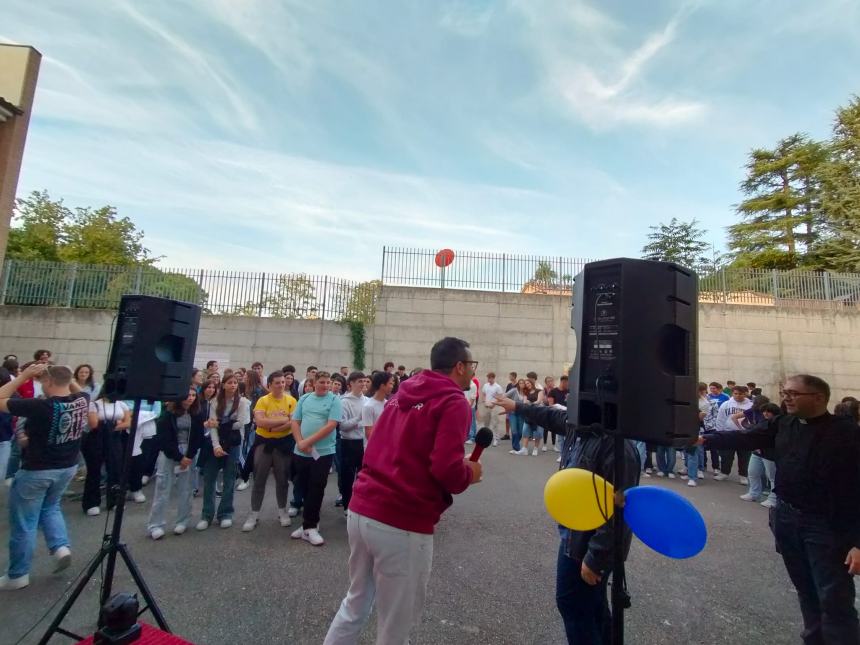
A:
725, 423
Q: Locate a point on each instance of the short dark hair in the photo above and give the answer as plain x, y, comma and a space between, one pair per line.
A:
741, 388
401, 367
564, 377
58, 374
514, 374
255, 363
288, 369
716, 385
379, 379
337, 376
355, 376
773, 408
311, 367
273, 376
320, 375
11, 364
532, 375
387, 365
730, 383
816, 383
39, 352
210, 364
751, 385
446, 353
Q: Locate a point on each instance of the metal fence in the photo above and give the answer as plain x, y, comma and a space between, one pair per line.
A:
218, 292
479, 271
293, 295
555, 276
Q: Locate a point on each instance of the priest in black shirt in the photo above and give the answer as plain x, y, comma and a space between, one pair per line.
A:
816, 522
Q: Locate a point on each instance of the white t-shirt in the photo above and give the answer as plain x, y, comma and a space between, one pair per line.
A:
371, 412
107, 411
724, 421
471, 394
490, 390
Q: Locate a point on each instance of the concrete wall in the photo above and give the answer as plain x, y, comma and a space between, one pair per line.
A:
518, 332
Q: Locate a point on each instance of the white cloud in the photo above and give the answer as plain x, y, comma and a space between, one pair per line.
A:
465, 20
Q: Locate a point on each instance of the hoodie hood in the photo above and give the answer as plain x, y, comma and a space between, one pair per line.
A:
426, 386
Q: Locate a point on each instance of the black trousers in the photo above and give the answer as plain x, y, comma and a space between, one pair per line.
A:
351, 457
312, 476
727, 458
93, 450
814, 556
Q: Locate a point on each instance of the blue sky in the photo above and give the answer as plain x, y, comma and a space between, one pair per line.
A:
302, 136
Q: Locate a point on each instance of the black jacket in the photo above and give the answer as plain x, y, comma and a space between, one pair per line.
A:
591, 451
166, 436
817, 465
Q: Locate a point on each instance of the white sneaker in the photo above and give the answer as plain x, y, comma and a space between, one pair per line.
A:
293, 511
660, 473
744, 481
63, 556
748, 498
495, 442
226, 523
8, 481
701, 475
313, 536
469, 442
720, 477
202, 525
692, 482
95, 510
648, 471
684, 476
297, 534
13, 584
179, 529
284, 517
523, 451
156, 534
558, 460
251, 523
514, 452
671, 475
243, 485
769, 503
138, 497
144, 480
543, 448
556, 448
535, 452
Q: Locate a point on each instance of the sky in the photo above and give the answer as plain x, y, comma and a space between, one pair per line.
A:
272, 135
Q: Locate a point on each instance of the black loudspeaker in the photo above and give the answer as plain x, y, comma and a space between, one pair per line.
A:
153, 349
636, 365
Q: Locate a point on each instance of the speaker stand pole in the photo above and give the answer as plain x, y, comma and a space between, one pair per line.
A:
111, 545
620, 597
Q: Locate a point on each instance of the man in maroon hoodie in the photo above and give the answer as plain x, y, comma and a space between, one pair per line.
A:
413, 465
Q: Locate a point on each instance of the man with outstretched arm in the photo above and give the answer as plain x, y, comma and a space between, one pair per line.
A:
584, 557
816, 521
413, 465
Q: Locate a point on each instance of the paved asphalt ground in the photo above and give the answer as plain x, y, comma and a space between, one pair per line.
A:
493, 573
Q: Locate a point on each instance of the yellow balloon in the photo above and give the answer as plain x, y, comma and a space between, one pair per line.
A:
570, 498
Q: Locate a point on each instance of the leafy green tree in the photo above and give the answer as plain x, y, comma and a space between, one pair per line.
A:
361, 306
781, 213
38, 228
294, 296
839, 250
679, 242
544, 273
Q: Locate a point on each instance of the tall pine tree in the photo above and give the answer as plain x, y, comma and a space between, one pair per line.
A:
781, 214
680, 242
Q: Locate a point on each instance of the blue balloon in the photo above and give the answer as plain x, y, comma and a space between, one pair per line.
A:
665, 521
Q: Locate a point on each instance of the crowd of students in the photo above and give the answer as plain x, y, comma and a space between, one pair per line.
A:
236, 427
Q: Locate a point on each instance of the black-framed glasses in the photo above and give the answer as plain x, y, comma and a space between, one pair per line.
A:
792, 394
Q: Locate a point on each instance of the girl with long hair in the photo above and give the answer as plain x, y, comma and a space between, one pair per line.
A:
85, 378
104, 444
179, 436
227, 417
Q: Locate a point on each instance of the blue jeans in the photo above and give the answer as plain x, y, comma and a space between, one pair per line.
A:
584, 609
757, 469
34, 502
5, 452
693, 458
516, 430
643, 453
665, 459
473, 430
14, 462
211, 467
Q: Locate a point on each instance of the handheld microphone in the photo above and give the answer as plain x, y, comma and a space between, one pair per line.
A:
483, 439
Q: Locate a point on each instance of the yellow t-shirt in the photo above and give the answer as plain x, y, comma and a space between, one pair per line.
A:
273, 409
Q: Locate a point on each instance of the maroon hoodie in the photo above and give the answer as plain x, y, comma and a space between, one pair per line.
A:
414, 459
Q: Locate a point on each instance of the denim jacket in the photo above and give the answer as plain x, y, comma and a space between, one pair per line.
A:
592, 451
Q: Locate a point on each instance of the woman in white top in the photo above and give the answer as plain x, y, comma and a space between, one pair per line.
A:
227, 419
105, 443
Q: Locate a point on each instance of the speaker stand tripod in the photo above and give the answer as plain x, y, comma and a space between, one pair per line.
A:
110, 548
